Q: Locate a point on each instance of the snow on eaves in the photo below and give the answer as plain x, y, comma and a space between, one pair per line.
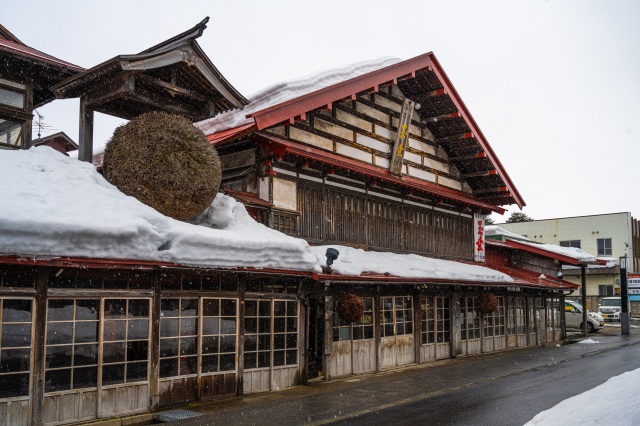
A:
287, 90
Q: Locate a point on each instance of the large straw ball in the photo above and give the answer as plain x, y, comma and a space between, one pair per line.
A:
165, 162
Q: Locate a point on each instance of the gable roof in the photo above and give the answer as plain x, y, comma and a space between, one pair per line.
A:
442, 111
43, 68
175, 76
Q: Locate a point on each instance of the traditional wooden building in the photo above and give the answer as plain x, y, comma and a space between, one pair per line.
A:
26, 75
388, 161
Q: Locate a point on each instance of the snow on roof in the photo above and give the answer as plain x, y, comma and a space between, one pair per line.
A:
497, 230
352, 261
55, 206
574, 252
287, 90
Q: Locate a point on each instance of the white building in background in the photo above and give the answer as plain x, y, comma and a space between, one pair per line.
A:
607, 236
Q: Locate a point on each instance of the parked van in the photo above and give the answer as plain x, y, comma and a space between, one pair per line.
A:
610, 308
573, 317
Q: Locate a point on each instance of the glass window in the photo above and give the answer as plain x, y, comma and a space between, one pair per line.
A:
72, 344
11, 98
443, 320
521, 313
494, 322
605, 290
125, 347
15, 347
271, 333
219, 335
178, 337
10, 132
428, 320
604, 247
570, 243
511, 316
359, 330
470, 327
397, 316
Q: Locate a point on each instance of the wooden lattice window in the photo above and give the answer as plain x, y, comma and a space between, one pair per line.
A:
15, 347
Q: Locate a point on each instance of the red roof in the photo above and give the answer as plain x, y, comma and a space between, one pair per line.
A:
499, 189
531, 248
231, 134
21, 49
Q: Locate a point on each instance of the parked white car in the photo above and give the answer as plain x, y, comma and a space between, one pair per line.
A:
610, 308
573, 317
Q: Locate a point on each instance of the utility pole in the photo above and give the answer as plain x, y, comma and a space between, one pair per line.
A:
624, 297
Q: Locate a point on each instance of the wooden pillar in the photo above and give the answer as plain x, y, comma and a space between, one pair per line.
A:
27, 126
154, 362
38, 344
328, 336
417, 324
456, 341
241, 330
85, 149
377, 329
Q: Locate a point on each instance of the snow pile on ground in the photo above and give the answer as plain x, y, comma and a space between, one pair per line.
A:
618, 395
588, 341
284, 91
56, 206
352, 261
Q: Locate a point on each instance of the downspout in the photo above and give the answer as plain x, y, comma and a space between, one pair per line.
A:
584, 299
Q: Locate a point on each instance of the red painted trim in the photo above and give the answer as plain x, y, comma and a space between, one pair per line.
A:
278, 113
457, 100
281, 146
310, 101
229, 135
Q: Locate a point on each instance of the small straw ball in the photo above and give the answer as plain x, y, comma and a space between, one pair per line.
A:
350, 307
165, 162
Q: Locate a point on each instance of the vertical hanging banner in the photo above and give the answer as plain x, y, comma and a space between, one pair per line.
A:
402, 137
478, 238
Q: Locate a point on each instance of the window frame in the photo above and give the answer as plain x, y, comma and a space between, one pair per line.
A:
344, 331
604, 246
25, 392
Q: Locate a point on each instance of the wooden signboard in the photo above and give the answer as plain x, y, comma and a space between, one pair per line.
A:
402, 137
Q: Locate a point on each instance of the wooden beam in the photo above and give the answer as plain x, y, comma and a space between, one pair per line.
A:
455, 138
172, 88
495, 190
97, 98
479, 174
480, 154
437, 118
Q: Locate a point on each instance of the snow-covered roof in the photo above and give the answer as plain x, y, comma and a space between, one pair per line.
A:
579, 255
497, 230
55, 206
287, 90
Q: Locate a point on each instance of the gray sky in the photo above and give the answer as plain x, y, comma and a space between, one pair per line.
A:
554, 85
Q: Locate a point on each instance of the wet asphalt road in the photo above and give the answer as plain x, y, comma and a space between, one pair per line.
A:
502, 388
512, 400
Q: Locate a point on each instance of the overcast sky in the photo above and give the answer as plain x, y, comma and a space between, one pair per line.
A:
554, 85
